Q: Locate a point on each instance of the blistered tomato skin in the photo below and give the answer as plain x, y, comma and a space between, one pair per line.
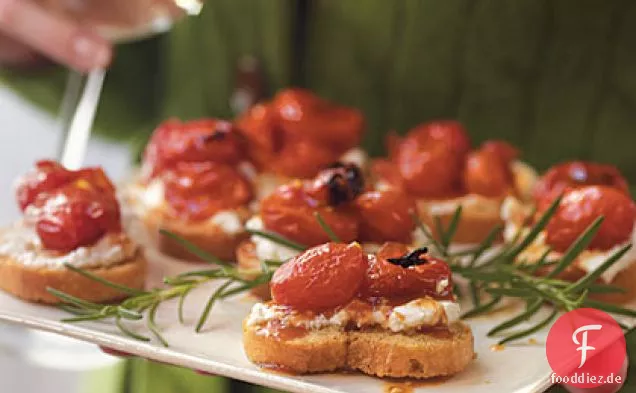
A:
302, 158
321, 278
504, 150
385, 216
290, 212
264, 137
74, 216
196, 191
47, 176
580, 207
429, 171
486, 174
390, 281
307, 116
208, 140
577, 174
387, 172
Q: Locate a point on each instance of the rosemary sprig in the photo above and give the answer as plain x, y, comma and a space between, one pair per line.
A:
278, 239
145, 304
503, 276
325, 227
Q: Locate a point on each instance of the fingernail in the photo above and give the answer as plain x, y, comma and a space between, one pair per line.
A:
91, 52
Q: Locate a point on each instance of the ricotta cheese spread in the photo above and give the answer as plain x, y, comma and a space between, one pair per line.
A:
22, 244
265, 248
418, 313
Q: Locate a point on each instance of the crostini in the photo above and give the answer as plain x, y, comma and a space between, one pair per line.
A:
589, 190
334, 307
70, 217
436, 164
338, 196
296, 134
195, 183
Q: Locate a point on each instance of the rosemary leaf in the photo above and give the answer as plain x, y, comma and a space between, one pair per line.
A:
605, 288
129, 332
534, 232
181, 303
87, 317
577, 247
585, 281
278, 239
325, 227
532, 309
152, 326
511, 292
483, 308
474, 294
448, 235
121, 288
193, 249
529, 331
485, 245
208, 306
73, 309
541, 262
610, 308
429, 236
128, 314
73, 300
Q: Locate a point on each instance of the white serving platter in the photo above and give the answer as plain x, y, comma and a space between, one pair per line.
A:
517, 368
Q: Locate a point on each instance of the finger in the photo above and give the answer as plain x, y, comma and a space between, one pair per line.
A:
16, 54
54, 36
607, 388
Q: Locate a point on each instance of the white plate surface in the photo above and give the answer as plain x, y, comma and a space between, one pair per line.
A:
218, 349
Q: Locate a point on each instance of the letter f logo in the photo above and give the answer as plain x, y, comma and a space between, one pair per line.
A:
583, 344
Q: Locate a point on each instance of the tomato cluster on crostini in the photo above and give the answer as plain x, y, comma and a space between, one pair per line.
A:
588, 191
331, 275
437, 166
297, 133
70, 209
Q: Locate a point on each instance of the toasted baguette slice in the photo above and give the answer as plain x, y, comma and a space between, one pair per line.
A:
31, 283
249, 267
472, 228
376, 352
205, 235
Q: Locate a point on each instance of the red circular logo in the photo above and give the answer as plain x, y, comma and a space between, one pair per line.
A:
586, 348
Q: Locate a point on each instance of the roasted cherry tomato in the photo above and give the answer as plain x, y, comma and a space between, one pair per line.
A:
386, 171
321, 278
196, 191
449, 132
487, 174
47, 177
302, 158
207, 140
337, 185
76, 215
290, 212
432, 170
385, 216
504, 150
581, 206
390, 281
263, 135
576, 174
307, 116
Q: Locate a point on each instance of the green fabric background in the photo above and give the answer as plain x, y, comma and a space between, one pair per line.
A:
555, 77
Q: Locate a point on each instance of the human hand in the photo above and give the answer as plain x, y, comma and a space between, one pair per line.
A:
26, 27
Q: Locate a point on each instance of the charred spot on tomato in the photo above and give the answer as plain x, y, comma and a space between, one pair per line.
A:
413, 258
345, 183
